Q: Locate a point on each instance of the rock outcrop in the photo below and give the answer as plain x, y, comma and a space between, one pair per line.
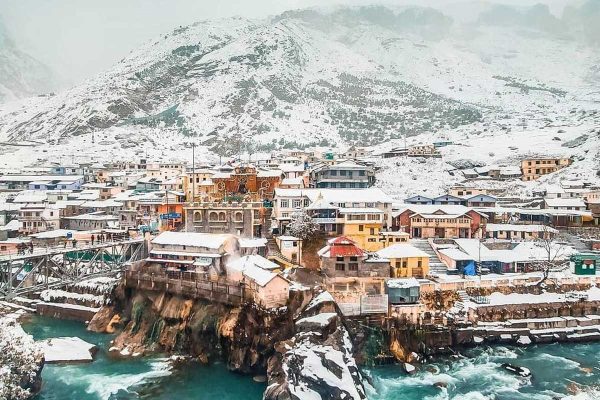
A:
304, 348
317, 362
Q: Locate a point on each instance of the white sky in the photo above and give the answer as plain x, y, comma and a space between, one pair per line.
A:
80, 38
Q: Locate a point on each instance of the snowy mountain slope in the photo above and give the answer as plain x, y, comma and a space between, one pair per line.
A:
362, 75
20, 74
278, 82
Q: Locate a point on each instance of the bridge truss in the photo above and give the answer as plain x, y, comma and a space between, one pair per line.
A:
60, 267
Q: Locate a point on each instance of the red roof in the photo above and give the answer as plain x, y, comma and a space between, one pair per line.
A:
344, 247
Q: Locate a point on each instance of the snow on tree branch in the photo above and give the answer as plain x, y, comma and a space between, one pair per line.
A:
20, 361
302, 226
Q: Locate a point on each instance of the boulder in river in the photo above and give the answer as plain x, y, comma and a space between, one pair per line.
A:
67, 350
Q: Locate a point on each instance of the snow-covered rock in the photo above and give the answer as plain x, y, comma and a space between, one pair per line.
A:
67, 350
317, 363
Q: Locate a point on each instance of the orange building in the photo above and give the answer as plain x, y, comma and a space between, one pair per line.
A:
247, 182
171, 216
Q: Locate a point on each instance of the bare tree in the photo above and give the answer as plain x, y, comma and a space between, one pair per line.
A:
302, 225
554, 250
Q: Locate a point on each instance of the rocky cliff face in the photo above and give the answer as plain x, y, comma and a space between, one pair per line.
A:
317, 362
160, 322
304, 348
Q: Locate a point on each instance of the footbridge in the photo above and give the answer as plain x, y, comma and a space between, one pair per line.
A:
54, 267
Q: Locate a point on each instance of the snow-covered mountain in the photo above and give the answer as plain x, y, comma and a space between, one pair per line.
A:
20, 74
325, 77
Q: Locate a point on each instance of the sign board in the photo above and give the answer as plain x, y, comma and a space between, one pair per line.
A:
170, 216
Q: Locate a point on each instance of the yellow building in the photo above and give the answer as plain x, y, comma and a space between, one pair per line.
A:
406, 261
199, 181
533, 168
390, 238
362, 226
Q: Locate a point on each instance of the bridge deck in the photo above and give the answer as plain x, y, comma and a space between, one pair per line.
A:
57, 250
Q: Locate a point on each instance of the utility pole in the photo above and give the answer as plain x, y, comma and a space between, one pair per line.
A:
193, 171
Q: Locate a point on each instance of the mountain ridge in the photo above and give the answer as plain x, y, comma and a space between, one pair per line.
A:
354, 75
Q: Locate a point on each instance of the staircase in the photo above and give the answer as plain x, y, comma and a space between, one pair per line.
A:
436, 267
275, 255
574, 241
463, 296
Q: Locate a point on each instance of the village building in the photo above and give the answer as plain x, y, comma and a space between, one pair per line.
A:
267, 288
403, 290
362, 226
443, 221
41, 182
343, 175
341, 257
164, 171
500, 257
427, 150
389, 238
202, 253
34, 218
575, 204
288, 201
519, 232
406, 261
10, 230
92, 221
247, 219
290, 248
246, 183
354, 153
533, 168
198, 181
395, 152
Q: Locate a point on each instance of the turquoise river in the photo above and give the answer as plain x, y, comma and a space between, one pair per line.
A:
558, 372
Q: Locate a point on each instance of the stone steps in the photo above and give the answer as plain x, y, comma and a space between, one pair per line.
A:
436, 266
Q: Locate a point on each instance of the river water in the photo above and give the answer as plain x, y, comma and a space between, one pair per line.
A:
558, 370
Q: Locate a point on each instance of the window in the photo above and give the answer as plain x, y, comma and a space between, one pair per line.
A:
372, 240
197, 216
297, 203
353, 267
239, 216
361, 173
339, 259
333, 173
284, 203
397, 264
361, 228
340, 267
213, 216
370, 205
404, 263
419, 264
222, 216
371, 231
342, 173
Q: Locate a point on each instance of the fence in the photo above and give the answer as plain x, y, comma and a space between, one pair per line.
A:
368, 304
463, 284
188, 284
